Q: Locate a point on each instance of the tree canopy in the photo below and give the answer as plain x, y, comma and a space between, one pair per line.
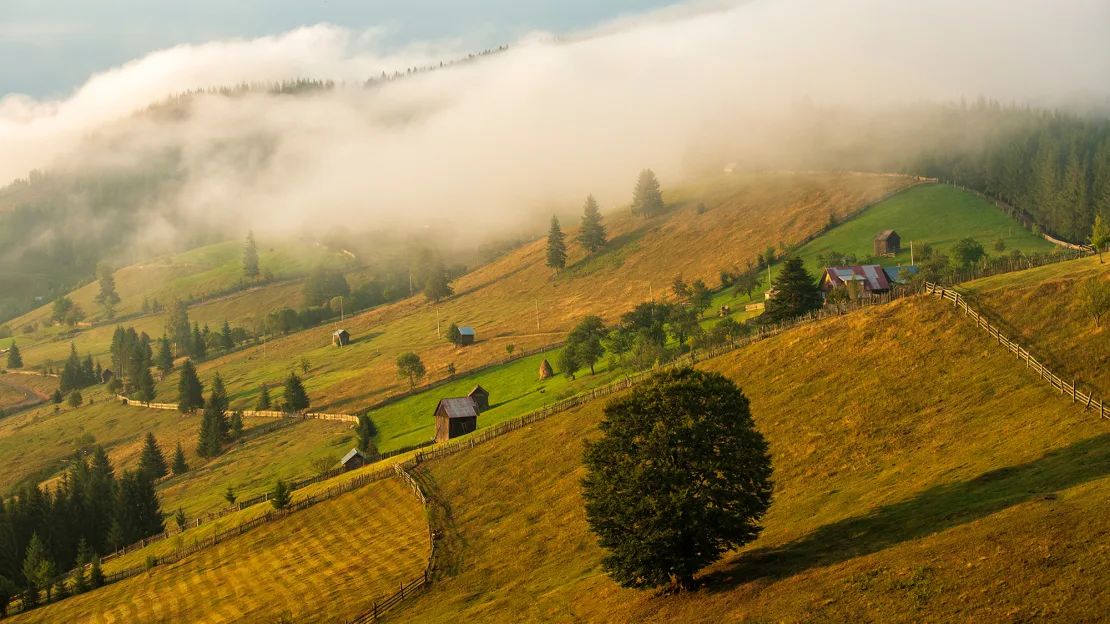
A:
591, 232
647, 198
296, 399
679, 476
795, 293
190, 391
15, 359
556, 246
411, 367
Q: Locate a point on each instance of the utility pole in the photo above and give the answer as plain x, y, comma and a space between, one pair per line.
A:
911, 253
438, 332
537, 315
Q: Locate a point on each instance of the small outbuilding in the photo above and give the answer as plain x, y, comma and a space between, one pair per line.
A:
480, 396
341, 338
106, 375
353, 459
545, 370
887, 243
455, 417
466, 335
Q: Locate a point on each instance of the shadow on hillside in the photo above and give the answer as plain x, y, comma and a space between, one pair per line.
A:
936, 509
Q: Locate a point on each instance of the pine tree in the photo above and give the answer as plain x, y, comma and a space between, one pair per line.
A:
180, 519
144, 386
218, 394
107, 298
647, 199
226, 341
152, 462
453, 335
556, 246
795, 293
165, 356
38, 568
96, 576
15, 360
591, 234
199, 346
366, 432
236, 426
250, 258
263, 398
280, 496
190, 392
179, 465
209, 442
296, 399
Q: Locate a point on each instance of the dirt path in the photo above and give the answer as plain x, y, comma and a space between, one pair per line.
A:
31, 397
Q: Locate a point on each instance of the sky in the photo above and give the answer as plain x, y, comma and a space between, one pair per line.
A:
59, 44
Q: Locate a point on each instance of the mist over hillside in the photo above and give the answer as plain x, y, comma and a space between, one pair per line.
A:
498, 144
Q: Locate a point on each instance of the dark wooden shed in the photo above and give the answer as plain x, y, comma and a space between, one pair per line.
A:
466, 335
353, 459
455, 417
480, 396
887, 243
341, 338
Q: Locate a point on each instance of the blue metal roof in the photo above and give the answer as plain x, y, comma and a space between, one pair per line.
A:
466, 331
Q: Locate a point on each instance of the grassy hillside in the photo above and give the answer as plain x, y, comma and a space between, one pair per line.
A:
1038, 308
937, 215
323, 564
517, 300
911, 468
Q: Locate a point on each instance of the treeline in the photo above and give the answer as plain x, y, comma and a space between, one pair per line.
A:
1053, 167
43, 534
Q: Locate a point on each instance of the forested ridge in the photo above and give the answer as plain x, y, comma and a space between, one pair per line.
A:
1053, 166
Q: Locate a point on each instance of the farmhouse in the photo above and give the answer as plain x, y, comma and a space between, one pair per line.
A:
887, 243
353, 459
871, 278
466, 335
480, 396
341, 338
455, 417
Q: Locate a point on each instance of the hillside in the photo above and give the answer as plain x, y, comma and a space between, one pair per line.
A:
375, 539
895, 500
1038, 307
517, 300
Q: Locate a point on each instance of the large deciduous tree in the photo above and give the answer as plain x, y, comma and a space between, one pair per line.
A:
679, 476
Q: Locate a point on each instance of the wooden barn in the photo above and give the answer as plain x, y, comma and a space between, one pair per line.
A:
341, 338
353, 459
466, 335
887, 243
480, 396
455, 417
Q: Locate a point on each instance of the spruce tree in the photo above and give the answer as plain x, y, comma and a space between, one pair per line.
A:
218, 394
236, 425
152, 462
96, 576
15, 360
591, 234
296, 399
795, 293
250, 258
365, 431
226, 341
38, 568
199, 346
165, 356
190, 392
280, 496
209, 441
144, 386
107, 298
647, 199
264, 403
556, 246
179, 466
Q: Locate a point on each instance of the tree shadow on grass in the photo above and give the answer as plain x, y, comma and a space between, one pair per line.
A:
933, 510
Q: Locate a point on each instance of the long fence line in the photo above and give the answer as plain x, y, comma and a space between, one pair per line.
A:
1088, 401
409, 588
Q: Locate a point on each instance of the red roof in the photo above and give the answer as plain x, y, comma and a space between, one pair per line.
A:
871, 276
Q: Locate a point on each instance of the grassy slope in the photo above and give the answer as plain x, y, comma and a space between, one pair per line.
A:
897, 498
501, 299
1038, 309
937, 214
321, 565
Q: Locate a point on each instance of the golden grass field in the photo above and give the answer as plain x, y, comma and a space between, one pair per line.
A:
922, 475
323, 564
1038, 309
501, 299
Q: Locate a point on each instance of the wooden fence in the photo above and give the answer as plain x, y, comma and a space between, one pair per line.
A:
250, 413
1087, 400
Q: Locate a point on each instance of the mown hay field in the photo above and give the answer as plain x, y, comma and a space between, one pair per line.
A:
324, 564
921, 475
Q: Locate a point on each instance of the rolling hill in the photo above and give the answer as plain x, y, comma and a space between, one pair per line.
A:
896, 499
